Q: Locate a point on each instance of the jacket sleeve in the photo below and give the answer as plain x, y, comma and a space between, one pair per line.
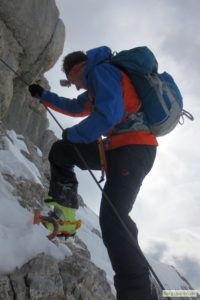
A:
77, 107
105, 83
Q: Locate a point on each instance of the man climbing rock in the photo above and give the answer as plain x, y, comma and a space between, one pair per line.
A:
126, 152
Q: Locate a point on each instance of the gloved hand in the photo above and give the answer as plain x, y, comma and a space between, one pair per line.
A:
36, 90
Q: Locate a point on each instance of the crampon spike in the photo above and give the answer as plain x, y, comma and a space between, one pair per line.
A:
38, 218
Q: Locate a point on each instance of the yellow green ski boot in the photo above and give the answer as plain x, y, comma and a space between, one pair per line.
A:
65, 217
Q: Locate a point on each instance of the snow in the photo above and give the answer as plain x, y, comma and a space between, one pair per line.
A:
13, 162
166, 274
21, 240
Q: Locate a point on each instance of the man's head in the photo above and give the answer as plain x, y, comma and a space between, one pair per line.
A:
73, 66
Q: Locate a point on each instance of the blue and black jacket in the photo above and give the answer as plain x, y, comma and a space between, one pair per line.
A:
109, 99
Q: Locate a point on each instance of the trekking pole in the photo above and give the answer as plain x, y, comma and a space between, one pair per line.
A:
96, 181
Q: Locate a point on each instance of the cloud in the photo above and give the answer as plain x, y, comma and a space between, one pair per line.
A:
182, 40
189, 268
179, 248
157, 249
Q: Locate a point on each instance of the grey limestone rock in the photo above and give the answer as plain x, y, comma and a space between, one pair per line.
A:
38, 280
6, 292
9, 52
31, 40
83, 280
43, 278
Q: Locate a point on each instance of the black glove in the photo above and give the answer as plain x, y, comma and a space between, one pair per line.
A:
36, 90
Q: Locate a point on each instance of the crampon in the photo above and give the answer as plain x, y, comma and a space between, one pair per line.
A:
57, 227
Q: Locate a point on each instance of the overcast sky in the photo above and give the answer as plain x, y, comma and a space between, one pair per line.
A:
167, 210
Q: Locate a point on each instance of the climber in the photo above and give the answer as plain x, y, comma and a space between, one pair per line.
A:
127, 153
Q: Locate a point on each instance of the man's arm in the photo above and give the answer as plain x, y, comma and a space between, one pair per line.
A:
105, 81
76, 107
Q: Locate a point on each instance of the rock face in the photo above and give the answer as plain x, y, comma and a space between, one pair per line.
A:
43, 278
38, 31
31, 40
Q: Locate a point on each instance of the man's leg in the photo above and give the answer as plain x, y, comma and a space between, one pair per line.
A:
63, 158
127, 167
64, 184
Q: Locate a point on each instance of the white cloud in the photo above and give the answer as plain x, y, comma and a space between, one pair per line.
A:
190, 268
179, 248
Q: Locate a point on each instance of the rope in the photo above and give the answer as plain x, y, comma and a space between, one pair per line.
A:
99, 186
17, 74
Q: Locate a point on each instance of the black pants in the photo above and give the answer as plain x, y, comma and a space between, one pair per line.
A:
127, 167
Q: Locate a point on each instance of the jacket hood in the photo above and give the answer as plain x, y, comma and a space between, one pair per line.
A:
97, 55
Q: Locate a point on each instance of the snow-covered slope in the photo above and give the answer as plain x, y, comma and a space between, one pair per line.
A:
21, 240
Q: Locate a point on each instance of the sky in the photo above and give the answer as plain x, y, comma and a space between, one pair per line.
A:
167, 208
